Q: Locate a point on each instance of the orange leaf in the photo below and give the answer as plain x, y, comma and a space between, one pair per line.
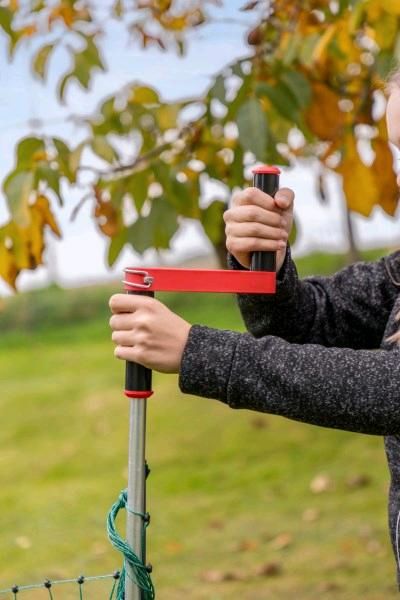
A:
108, 218
324, 117
382, 168
360, 185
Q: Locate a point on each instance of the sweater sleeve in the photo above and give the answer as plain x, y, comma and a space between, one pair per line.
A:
341, 388
348, 309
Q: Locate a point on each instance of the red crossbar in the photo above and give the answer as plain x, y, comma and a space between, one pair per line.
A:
164, 279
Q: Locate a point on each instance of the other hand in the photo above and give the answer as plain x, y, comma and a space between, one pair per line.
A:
257, 221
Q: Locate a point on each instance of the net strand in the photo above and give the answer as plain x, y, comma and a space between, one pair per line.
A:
48, 584
138, 572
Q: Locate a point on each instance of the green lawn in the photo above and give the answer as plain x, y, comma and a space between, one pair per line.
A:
233, 511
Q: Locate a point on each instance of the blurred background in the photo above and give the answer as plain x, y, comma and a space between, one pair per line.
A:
125, 127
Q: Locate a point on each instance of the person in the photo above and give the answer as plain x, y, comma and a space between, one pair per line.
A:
323, 350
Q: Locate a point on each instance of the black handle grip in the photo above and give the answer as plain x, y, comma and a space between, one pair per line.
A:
137, 377
267, 180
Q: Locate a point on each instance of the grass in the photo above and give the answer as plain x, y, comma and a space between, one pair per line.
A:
229, 492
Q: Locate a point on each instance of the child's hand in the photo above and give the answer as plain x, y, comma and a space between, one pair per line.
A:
147, 332
256, 221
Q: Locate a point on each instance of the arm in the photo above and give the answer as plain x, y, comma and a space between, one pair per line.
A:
354, 390
348, 309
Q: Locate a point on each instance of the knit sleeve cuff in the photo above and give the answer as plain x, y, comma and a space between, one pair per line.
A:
207, 361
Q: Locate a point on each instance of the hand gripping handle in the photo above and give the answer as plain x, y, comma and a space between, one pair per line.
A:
265, 179
137, 377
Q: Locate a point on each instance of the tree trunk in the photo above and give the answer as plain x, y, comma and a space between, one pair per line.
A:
353, 254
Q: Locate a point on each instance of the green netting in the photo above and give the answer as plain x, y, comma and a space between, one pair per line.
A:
139, 572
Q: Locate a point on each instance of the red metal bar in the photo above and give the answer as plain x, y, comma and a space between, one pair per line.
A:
164, 279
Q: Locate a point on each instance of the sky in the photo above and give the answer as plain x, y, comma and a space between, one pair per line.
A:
80, 256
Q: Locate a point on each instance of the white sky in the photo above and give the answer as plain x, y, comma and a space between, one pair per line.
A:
80, 256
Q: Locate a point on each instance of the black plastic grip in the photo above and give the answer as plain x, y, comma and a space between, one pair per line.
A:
268, 183
137, 377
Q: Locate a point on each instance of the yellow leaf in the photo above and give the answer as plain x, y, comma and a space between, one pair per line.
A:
324, 117
360, 185
323, 43
27, 31
8, 267
62, 11
42, 206
374, 10
391, 6
385, 29
383, 171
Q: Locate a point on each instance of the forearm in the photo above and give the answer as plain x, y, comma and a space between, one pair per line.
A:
348, 309
353, 390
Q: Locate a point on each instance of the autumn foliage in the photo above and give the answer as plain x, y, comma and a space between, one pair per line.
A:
310, 87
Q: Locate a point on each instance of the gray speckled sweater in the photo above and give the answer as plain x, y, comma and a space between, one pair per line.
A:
317, 353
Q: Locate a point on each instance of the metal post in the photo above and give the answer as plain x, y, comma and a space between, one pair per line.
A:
136, 490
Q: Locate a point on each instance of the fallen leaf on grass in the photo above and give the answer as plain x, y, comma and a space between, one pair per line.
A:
216, 524
22, 541
328, 586
270, 569
220, 576
310, 515
358, 481
259, 423
246, 545
321, 483
281, 541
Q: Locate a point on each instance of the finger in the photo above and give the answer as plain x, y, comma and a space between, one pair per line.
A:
254, 214
126, 353
253, 196
121, 303
239, 230
121, 322
284, 199
132, 354
251, 244
122, 338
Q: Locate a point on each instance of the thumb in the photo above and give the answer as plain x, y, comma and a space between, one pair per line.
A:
284, 199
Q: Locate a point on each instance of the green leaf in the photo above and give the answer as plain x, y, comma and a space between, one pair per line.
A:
156, 230
307, 48
17, 189
281, 98
115, 247
241, 96
51, 177
218, 89
183, 196
26, 150
293, 233
6, 18
211, 219
139, 235
164, 222
63, 154
102, 147
385, 63
252, 125
137, 186
299, 87
40, 61
142, 94
84, 62
167, 115
75, 159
